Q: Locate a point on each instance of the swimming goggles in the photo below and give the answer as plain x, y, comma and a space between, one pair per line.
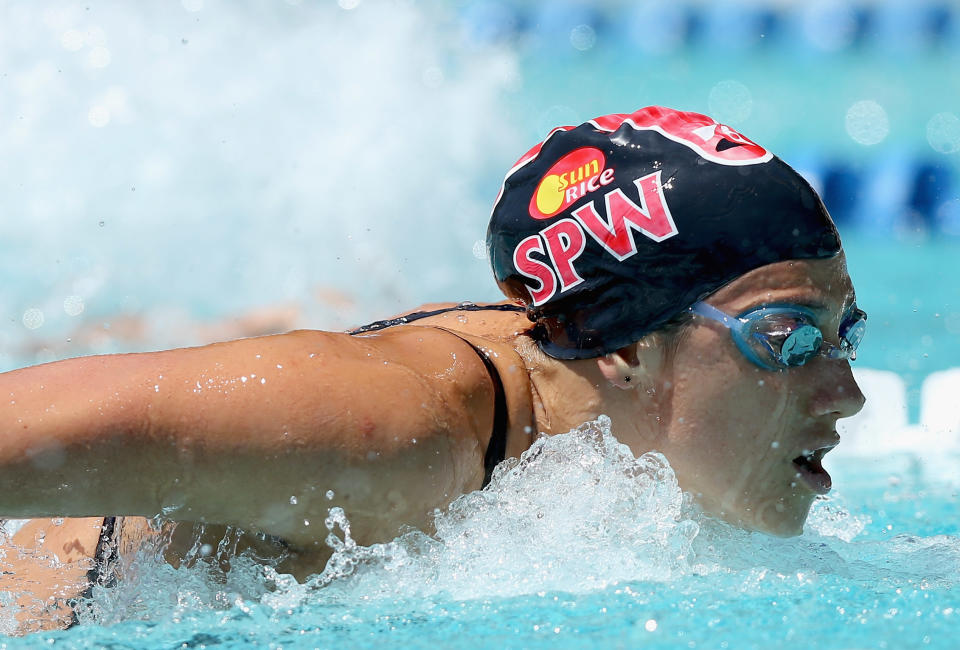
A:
777, 337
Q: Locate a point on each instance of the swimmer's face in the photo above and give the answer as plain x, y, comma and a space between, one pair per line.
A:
737, 434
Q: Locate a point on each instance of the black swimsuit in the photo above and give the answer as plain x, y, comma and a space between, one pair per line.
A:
497, 447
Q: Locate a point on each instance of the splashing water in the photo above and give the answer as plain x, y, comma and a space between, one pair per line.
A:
576, 512
574, 529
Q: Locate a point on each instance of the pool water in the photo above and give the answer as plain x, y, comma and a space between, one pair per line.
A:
179, 166
579, 544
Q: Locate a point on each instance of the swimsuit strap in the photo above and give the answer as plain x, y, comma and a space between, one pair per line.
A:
417, 315
101, 574
497, 446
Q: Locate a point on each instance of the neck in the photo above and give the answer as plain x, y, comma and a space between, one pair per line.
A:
568, 393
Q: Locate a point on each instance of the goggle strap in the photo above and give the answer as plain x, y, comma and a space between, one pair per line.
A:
709, 311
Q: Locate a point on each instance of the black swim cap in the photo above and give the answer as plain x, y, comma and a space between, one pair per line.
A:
610, 229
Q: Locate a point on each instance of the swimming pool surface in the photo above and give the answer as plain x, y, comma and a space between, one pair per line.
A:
606, 553
169, 167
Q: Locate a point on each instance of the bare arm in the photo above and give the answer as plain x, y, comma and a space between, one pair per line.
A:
252, 432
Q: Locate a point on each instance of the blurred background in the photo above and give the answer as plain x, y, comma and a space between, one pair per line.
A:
177, 172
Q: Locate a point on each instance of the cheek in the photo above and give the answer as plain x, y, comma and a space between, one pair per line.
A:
716, 390
727, 420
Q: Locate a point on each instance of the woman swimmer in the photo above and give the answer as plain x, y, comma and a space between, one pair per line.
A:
663, 270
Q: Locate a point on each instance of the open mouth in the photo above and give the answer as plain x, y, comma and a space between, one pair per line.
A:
810, 468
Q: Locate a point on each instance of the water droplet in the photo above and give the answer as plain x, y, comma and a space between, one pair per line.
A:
650, 625
943, 133
33, 318
293, 500
480, 249
583, 37
867, 122
329, 495
73, 305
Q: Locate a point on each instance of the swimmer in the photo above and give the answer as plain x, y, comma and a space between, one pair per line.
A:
659, 268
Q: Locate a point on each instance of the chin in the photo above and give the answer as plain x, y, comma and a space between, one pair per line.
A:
786, 520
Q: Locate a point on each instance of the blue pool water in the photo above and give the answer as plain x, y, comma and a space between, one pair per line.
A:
580, 543
164, 169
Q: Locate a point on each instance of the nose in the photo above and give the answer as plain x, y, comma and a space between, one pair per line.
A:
838, 394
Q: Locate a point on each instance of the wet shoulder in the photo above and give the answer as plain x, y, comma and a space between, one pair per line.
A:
500, 334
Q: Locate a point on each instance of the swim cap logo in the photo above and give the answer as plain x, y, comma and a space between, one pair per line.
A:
721, 144
577, 174
559, 245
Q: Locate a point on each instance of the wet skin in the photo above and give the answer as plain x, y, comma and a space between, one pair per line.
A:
731, 430
225, 434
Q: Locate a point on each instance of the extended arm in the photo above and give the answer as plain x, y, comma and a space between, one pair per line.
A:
252, 432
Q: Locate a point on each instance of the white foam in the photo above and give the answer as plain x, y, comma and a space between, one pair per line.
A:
9, 527
572, 501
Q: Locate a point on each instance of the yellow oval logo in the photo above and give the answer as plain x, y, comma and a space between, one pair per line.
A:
559, 187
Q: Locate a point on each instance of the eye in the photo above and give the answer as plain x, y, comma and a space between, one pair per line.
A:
780, 326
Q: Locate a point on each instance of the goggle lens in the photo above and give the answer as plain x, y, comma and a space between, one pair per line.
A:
784, 338
779, 336
852, 331
801, 346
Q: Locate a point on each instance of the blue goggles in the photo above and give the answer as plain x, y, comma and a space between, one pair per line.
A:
778, 337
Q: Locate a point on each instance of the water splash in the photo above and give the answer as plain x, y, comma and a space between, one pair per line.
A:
576, 522
300, 146
576, 512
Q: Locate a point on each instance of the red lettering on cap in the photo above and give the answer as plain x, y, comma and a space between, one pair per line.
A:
535, 269
652, 218
565, 242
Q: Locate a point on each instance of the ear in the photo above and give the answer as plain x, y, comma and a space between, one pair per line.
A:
622, 368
